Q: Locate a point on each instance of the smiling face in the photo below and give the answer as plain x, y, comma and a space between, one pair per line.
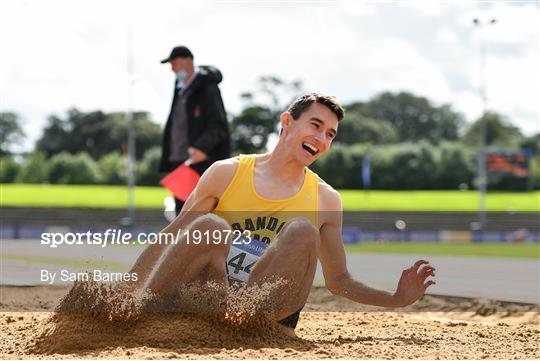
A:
309, 136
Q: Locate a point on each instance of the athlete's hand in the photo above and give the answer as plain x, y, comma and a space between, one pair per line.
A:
412, 284
196, 155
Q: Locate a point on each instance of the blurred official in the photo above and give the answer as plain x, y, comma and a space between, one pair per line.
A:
197, 126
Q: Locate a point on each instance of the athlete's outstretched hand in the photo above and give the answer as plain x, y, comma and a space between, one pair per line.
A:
412, 284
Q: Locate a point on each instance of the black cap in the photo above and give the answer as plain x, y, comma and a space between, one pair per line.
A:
178, 52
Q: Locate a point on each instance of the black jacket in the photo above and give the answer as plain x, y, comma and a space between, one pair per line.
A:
208, 129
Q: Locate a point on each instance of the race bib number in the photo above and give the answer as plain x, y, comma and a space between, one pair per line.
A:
243, 255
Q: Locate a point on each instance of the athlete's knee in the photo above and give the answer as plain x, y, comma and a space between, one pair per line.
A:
300, 233
210, 222
209, 230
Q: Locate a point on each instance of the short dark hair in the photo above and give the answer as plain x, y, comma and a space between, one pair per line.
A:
302, 103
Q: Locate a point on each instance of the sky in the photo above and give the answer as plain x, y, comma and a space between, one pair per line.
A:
59, 54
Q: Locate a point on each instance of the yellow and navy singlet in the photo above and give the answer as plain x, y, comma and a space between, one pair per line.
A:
262, 219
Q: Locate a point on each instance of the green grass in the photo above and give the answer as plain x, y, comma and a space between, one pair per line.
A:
91, 196
473, 249
104, 196
438, 201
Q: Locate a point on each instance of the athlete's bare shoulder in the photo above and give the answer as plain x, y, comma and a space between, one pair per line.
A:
211, 186
330, 209
225, 166
329, 198
220, 174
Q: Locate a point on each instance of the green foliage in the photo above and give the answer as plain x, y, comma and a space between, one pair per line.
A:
535, 172
404, 166
251, 128
147, 133
147, 171
9, 169
531, 144
398, 166
35, 169
414, 118
356, 128
273, 93
113, 168
499, 132
412, 143
414, 166
455, 166
337, 167
10, 131
67, 168
97, 133
259, 118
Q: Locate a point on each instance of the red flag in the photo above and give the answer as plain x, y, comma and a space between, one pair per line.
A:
181, 181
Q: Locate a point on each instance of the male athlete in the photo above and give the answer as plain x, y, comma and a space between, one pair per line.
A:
263, 196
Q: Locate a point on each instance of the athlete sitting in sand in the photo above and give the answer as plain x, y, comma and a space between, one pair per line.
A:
262, 196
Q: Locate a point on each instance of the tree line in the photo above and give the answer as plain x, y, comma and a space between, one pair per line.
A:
411, 143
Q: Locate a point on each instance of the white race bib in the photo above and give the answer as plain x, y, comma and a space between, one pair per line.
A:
243, 255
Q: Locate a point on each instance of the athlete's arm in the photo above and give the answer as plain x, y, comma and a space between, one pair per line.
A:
202, 200
205, 196
339, 281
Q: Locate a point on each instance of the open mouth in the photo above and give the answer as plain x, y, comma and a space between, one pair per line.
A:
310, 148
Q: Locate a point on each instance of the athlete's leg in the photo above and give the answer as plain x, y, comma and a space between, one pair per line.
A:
293, 258
147, 260
186, 261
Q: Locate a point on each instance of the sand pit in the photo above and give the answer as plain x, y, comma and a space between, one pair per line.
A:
435, 327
